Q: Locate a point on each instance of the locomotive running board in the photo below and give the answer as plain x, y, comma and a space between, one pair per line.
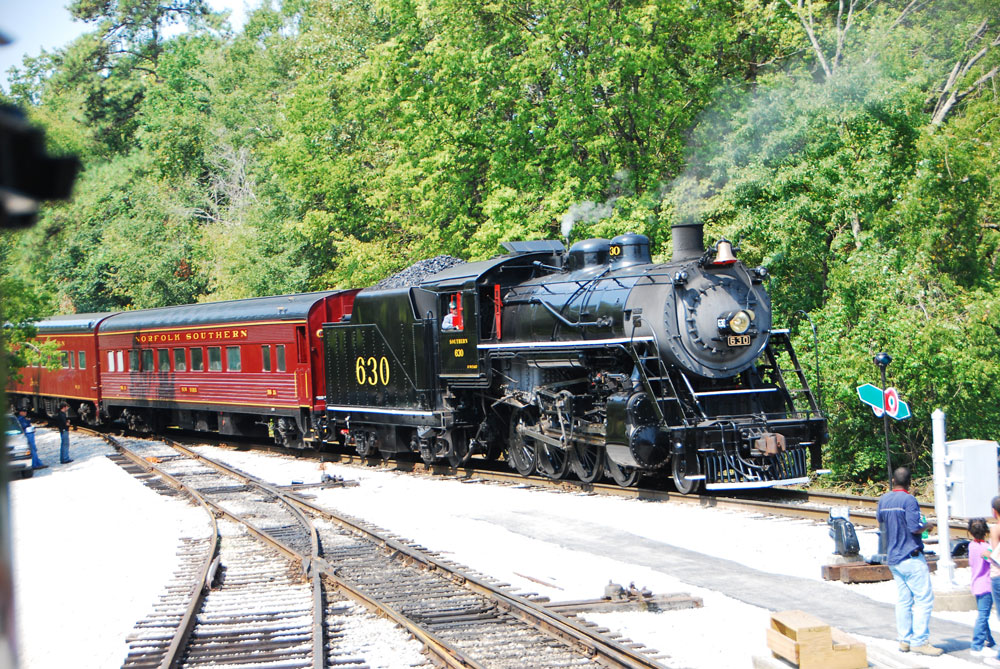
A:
576, 343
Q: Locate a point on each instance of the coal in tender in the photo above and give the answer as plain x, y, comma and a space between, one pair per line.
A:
417, 272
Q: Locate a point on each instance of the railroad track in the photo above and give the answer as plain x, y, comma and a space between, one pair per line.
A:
791, 502
287, 565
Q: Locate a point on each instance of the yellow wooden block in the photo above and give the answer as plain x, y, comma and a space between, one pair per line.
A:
809, 643
802, 627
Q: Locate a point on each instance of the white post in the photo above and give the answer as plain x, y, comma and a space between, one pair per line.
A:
940, 459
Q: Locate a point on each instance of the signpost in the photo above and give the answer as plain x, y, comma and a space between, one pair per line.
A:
884, 401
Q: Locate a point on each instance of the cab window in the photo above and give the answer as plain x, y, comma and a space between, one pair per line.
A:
453, 319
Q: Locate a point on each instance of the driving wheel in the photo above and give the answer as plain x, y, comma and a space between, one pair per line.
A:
521, 450
587, 462
626, 477
553, 461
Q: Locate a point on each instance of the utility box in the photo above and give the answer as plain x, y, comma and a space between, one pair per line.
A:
972, 477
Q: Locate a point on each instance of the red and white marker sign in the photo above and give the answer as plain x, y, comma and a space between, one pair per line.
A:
891, 402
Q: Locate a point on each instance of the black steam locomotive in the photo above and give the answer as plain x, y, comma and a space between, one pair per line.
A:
593, 361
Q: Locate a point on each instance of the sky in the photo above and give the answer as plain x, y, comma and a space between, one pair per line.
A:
33, 25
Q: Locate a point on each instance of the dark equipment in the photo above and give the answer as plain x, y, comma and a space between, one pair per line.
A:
845, 539
28, 175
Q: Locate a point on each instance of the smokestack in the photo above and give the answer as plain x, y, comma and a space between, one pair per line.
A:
688, 241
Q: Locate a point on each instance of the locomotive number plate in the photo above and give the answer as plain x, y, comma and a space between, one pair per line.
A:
739, 340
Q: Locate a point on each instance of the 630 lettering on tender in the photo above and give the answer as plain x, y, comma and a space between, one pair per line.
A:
371, 371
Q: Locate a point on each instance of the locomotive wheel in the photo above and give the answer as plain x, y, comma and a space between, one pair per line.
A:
365, 445
587, 462
553, 461
459, 454
626, 477
681, 470
521, 451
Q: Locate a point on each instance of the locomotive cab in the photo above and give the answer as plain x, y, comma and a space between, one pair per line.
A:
459, 335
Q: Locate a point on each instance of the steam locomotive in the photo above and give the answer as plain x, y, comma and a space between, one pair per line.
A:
587, 362
593, 361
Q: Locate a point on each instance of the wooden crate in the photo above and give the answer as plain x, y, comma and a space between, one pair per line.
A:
809, 643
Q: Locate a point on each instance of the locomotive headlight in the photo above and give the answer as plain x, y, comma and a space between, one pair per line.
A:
739, 322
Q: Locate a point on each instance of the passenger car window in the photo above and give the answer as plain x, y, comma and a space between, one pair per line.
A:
81, 359
279, 351
180, 360
133, 361
121, 361
197, 360
163, 358
111, 361
147, 360
265, 356
234, 362
215, 358
65, 359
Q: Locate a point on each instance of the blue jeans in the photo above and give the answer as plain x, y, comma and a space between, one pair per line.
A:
995, 583
981, 631
30, 437
63, 445
914, 600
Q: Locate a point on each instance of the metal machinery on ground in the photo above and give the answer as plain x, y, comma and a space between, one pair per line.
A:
593, 361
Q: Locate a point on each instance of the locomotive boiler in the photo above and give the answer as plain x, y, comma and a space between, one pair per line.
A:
590, 361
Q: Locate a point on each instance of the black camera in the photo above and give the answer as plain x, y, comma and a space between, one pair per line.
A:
28, 175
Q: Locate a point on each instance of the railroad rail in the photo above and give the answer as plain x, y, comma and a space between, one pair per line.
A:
791, 502
463, 619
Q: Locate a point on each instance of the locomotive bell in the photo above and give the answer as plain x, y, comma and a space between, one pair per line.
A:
724, 253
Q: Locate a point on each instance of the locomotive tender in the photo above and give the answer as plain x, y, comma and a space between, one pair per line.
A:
590, 361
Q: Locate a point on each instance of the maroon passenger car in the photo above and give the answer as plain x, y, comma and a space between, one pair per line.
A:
248, 367
76, 381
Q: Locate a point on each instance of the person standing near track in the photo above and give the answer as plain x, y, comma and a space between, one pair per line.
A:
899, 518
29, 434
994, 568
982, 587
62, 422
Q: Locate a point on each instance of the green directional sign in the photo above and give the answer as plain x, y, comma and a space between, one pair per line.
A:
886, 401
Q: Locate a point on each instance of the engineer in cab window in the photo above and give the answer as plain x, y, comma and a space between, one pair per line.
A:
452, 321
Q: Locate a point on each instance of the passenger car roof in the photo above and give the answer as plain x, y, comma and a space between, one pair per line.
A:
71, 323
278, 308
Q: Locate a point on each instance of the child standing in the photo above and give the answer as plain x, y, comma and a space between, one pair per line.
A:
979, 565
